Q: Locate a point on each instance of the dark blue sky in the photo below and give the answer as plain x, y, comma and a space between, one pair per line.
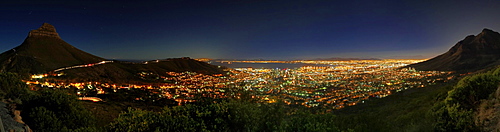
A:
251, 29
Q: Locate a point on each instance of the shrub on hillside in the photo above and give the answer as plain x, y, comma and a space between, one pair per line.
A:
11, 86
64, 110
456, 112
225, 116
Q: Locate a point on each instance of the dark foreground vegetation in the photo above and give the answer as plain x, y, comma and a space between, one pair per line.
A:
468, 105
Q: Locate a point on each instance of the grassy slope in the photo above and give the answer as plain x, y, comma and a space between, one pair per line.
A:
404, 111
106, 112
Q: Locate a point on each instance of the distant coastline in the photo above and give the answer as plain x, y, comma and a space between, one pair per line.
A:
266, 65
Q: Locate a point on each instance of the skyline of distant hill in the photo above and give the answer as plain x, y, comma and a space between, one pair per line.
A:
475, 52
44, 51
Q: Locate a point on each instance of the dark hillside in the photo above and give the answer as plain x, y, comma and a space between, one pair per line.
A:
126, 72
471, 54
181, 65
407, 110
42, 51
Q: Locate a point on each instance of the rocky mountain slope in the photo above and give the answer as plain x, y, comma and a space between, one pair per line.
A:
472, 53
43, 50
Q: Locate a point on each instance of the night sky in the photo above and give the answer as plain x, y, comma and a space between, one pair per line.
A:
253, 29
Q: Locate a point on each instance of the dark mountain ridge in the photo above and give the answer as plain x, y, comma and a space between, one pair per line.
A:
127, 72
43, 51
470, 54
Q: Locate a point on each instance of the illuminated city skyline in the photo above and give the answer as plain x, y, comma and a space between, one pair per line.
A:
333, 85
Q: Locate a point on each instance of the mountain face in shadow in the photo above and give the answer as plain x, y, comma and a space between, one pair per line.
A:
471, 54
128, 72
43, 50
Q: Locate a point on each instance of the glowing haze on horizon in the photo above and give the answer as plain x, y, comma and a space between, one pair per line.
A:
277, 29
